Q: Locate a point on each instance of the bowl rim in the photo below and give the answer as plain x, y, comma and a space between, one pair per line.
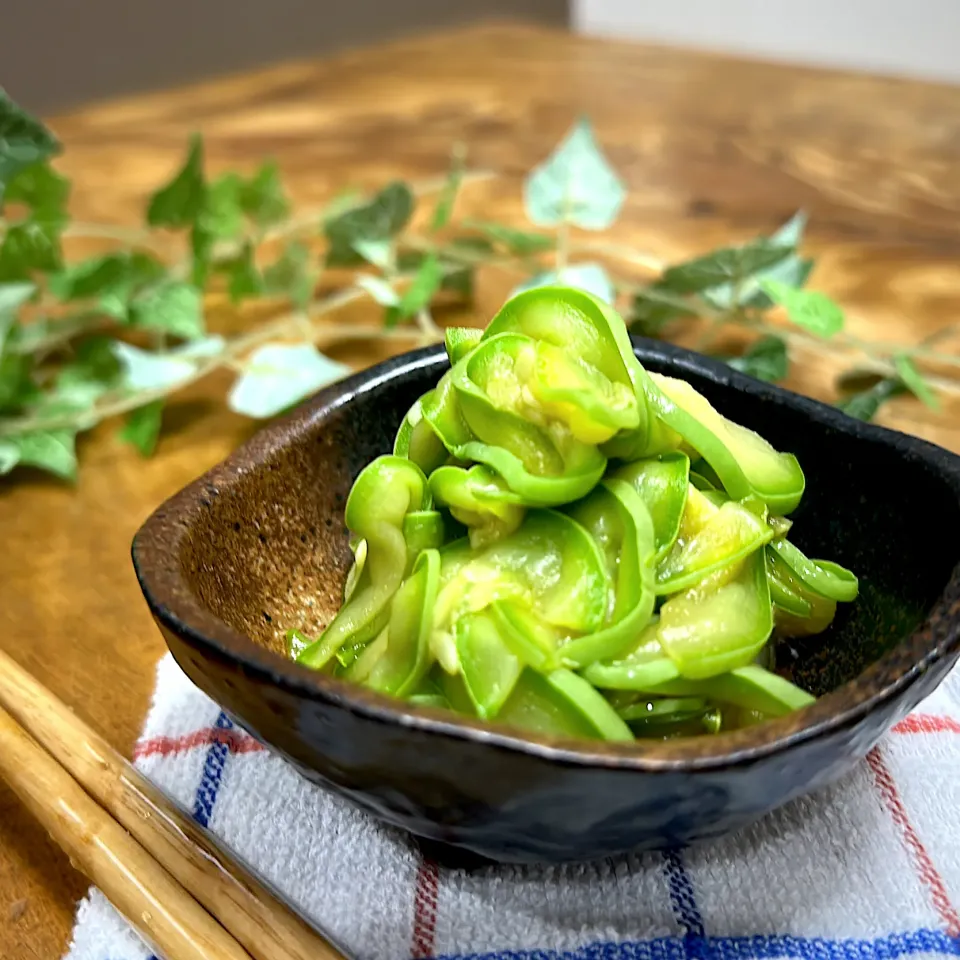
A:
156, 548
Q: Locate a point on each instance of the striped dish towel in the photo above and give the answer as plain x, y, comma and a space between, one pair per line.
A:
867, 869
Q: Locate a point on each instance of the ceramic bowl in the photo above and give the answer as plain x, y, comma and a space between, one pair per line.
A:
257, 546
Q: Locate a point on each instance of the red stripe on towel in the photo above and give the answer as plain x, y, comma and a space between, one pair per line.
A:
235, 740
926, 871
425, 909
927, 723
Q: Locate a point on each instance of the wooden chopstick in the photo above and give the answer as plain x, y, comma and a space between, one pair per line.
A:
164, 913
187, 867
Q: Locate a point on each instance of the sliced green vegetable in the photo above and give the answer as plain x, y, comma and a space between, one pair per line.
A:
356, 570
479, 499
750, 688
576, 393
666, 710
382, 495
721, 623
727, 536
435, 700
295, 641
550, 562
575, 322
561, 704
440, 408
459, 341
798, 611
528, 637
660, 581
362, 666
786, 591
544, 466
662, 482
422, 530
429, 693
453, 688
490, 668
827, 579
406, 659
647, 675
618, 521
418, 441
745, 463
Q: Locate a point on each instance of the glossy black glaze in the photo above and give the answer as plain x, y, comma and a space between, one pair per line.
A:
886, 505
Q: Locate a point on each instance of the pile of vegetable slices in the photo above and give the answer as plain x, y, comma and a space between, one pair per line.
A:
566, 543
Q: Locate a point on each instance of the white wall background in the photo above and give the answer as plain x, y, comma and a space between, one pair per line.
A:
911, 37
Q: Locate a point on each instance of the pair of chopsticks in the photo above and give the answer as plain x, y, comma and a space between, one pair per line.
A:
188, 899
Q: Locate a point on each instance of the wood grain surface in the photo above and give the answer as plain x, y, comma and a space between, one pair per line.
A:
711, 149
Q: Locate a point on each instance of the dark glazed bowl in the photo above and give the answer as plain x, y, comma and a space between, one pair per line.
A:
257, 546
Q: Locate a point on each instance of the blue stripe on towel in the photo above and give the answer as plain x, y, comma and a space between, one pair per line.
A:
760, 947
683, 901
212, 776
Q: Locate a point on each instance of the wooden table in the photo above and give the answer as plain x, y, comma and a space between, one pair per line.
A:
710, 148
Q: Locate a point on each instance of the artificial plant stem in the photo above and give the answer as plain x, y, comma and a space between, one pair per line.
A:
287, 325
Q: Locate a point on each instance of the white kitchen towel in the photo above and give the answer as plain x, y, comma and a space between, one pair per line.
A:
866, 870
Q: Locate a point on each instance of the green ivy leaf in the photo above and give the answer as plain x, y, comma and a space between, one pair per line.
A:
794, 271
654, 307
340, 203
410, 261
93, 370
278, 375
291, 275
914, 381
729, 265
17, 388
93, 361
87, 278
76, 401
172, 307
29, 247
12, 297
9, 455
458, 279
263, 198
143, 370
448, 196
244, 277
24, 140
53, 451
43, 190
418, 295
179, 202
809, 309
519, 242
221, 213
791, 233
32, 336
381, 253
379, 289
865, 404
766, 359
114, 280
14, 367
480, 246
575, 185
142, 428
201, 253
590, 277
380, 219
